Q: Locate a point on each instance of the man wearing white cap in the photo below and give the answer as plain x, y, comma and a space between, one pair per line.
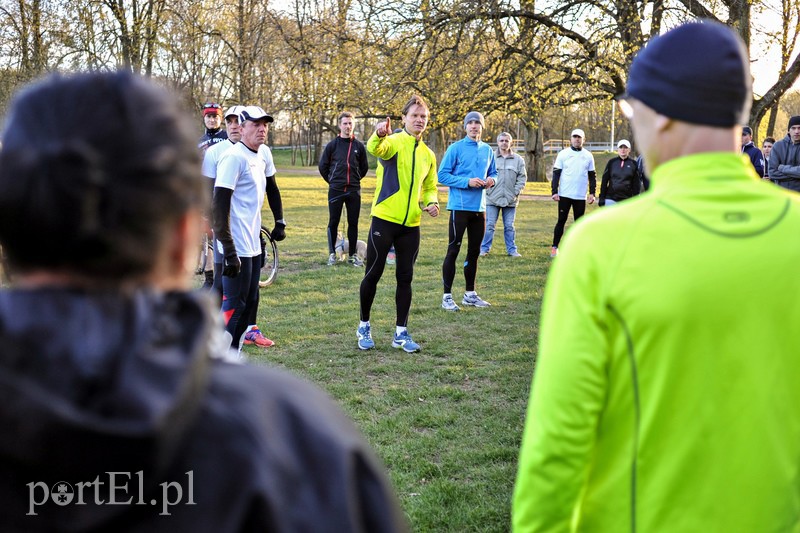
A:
245, 175
573, 172
621, 178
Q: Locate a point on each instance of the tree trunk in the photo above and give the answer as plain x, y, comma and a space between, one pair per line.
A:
534, 151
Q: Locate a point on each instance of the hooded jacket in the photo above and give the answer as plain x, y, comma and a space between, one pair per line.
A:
784, 161
405, 177
344, 163
125, 403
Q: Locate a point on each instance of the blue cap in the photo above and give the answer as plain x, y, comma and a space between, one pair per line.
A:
696, 73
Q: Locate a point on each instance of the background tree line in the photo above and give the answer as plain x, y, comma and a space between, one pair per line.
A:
536, 69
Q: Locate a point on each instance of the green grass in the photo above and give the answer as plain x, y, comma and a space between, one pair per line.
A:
447, 421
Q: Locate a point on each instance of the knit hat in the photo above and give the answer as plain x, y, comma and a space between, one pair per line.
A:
696, 73
473, 115
794, 121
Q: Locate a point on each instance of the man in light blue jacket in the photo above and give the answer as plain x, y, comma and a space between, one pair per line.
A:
468, 168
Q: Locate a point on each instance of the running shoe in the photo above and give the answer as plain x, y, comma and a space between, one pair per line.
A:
254, 336
356, 261
364, 336
331, 259
448, 303
553, 251
484, 254
405, 342
515, 254
474, 300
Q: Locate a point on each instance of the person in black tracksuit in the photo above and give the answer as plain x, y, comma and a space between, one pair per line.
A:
621, 179
342, 165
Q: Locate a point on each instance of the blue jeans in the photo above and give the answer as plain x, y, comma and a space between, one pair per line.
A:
509, 232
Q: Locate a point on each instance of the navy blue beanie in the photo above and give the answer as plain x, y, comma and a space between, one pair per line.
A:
696, 73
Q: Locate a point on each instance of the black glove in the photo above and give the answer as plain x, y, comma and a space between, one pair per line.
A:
232, 265
601, 202
279, 231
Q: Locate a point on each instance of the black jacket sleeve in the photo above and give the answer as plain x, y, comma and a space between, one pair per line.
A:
325, 161
605, 180
221, 207
556, 179
274, 198
592, 182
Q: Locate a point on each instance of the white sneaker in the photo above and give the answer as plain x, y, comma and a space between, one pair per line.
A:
474, 300
448, 303
331, 259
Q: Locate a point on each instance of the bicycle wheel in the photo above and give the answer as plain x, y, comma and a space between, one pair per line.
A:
270, 269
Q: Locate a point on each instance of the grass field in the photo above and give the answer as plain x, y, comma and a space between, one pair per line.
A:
447, 421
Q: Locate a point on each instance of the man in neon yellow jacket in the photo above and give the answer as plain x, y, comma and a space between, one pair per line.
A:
667, 386
405, 187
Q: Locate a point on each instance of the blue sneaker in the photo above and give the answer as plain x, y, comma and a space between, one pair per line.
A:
364, 335
405, 342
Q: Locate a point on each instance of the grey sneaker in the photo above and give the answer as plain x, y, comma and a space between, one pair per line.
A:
331, 259
448, 303
356, 261
515, 254
474, 301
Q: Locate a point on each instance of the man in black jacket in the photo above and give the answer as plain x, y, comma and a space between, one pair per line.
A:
129, 418
342, 165
752, 151
621, 178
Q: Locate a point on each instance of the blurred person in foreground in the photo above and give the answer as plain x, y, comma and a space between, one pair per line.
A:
128, 418
671, 403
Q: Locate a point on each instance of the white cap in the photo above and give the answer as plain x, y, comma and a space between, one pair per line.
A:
233, 110
578, 132
253, 112
623, 142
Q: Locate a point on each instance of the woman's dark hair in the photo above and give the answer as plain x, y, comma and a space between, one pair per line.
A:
94, 170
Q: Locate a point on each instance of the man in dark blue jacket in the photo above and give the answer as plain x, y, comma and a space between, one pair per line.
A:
752, 151
342, 165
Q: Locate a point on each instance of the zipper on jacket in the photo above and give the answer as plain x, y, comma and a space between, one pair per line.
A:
349, 147
411, 189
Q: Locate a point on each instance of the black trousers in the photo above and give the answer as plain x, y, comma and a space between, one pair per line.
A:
336, 201
564, 204
382, 235
474, 224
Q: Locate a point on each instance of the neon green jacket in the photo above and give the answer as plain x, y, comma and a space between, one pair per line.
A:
406, 166
667, 388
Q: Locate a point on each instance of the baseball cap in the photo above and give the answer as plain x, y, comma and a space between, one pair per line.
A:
578, 132
623, 142
712, 88
211, 108
253, 112
474, 115
233, 110
747, 130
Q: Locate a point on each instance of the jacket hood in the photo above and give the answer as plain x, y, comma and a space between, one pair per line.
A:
97, 382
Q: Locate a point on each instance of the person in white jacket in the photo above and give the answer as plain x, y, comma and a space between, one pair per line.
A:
504, 196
